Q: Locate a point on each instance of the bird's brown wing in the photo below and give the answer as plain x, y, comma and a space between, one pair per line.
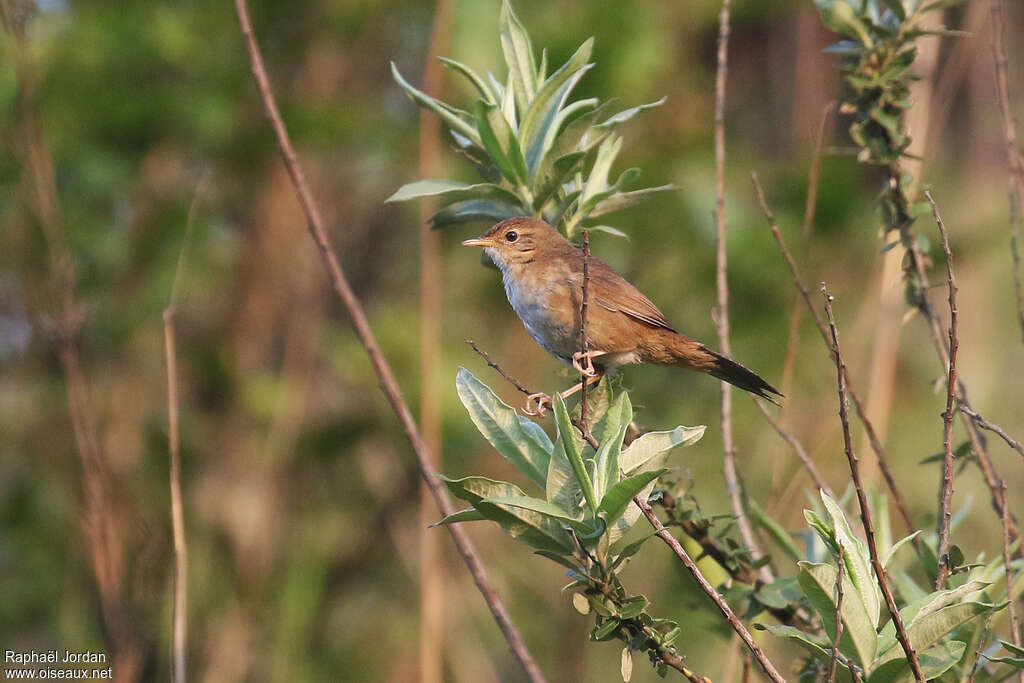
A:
614, 293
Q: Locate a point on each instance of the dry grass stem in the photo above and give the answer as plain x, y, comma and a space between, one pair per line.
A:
865, 511
721, 317
318, 232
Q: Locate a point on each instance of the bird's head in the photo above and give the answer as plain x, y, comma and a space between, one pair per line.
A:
517, 241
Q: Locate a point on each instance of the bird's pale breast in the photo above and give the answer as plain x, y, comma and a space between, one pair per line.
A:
532, 297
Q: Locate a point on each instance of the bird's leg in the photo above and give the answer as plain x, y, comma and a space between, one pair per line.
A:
537, 404
583, 361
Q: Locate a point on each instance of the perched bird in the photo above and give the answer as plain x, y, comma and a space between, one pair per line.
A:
543, 276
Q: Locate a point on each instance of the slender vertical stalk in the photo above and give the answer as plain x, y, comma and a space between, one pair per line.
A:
946, 490
732, 483
1013, 154
839, 618
382, 368
865, 511
431, 565
584, 341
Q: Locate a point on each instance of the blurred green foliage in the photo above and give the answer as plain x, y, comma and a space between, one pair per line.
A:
299, 489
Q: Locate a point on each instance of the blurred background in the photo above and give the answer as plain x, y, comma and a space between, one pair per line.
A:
300, 492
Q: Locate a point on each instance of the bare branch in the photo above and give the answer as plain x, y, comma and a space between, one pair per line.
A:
383, 370
876, 444
865, 511
994, 428
1013, 155
819, 481
946, 491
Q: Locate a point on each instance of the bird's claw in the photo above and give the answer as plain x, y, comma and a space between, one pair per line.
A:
537, 404
583, 362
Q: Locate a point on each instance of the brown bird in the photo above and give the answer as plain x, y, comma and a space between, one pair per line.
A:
543, 276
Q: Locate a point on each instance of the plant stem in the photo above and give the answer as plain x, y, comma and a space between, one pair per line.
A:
865, 511
383, 370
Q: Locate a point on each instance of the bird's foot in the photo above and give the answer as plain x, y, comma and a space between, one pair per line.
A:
537, 404
583, 361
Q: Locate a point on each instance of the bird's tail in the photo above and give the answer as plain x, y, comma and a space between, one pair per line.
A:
693, 355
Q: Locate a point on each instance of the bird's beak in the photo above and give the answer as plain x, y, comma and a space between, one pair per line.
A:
478, 242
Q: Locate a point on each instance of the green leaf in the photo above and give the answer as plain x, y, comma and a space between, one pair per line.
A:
891, 552
518, 439
561, 487
629, 550
933, 662
606, 461
500, 141
634, 606
929, 628
475, 210
818, 648
605, 229
897, 7
550, 98
775, 530
542, 507
605, 630
858, 562
572, 452
533, 528
1012, 648
474, 78
555, 177
467, 515
842, 18
624, 200
619, 496
859, 638
473, 489
455, 119
613, 122
450, 191
518, 51
640, 455
566, 561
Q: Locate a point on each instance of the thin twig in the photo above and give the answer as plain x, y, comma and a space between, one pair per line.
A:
994, 428
721, 317
981, 647
584, 341
383, 370
946, 495
709, 590
865, 511
1015, 635
179, 619
876, 444
839, 618
1013, 154
819, 481
673, 660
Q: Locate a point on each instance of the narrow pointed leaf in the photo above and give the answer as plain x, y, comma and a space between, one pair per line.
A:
891, 552
624, 200
858, 562
518, 51
447, 114
544, 508
475, 210
638, 454
532, 528
572, 452
467, 515
474, 78
859, 638
448, 191
623, 116
606, 467
518, 439
500, 141
619, 496
562, 488
550, 98
933, 662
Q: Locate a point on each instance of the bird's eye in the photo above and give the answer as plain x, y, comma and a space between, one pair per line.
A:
511, 236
